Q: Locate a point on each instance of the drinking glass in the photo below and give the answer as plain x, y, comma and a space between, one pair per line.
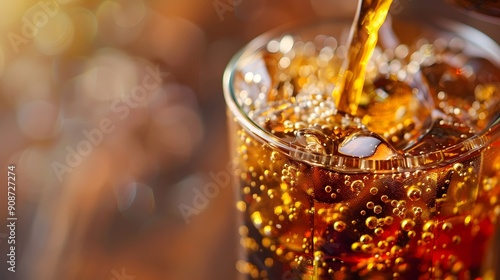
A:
406, 189
484, 7
491, 267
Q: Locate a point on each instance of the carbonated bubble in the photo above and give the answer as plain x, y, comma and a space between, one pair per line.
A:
414, 193
357, 186
371, 222
339, 226
407, 224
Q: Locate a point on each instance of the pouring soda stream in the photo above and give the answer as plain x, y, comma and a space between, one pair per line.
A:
370, 16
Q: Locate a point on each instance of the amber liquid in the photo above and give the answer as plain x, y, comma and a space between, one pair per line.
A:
371, 15
309, 218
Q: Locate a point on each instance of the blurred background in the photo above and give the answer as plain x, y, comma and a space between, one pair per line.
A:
113, 114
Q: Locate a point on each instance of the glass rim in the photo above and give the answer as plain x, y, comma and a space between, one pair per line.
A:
399, 163
492, 16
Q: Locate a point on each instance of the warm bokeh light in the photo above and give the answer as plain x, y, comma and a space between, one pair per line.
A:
26, 78
121, 22
108, 75
56, 36
11, 13
38, 120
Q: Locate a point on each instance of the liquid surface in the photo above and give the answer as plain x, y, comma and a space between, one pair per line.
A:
416, 100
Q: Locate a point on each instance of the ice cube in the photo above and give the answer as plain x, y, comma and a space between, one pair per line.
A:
396, 110
469, 93
483, 70
486, 75
365, 144
444, 134
486, 109
447, 83
451, 89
